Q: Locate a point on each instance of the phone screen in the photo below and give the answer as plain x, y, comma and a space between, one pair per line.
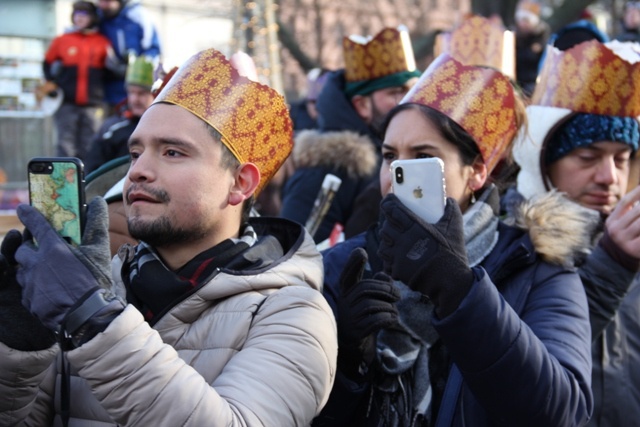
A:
56, 190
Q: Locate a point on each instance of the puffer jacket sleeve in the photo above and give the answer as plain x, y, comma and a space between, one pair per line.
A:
281, 377
500, 353
606, 283
26, 386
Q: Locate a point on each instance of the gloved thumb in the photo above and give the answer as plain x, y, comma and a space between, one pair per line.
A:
353, 270
96, 230
451, 218
36, 224
10, 243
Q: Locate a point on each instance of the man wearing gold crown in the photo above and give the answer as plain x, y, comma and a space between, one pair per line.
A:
583, 131
467, 321
213, 319
110, 142
351, 106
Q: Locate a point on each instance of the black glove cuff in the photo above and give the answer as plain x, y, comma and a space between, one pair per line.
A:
78, 326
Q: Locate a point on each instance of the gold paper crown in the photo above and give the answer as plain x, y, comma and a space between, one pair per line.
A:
590, 78
252, 118
387, 53
480, 100
480, 41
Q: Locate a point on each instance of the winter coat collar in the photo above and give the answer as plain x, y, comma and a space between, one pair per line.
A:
354, 153
561, 231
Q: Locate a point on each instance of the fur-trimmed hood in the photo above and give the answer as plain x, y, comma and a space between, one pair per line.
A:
350, 151
562, 231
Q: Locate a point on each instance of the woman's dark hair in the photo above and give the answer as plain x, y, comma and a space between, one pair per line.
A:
504, 173
449, 129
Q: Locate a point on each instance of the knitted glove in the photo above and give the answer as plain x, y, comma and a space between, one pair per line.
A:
62, 285
19, 329
429, 258
365, 307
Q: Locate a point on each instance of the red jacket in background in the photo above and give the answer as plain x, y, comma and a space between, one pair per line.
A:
83, 57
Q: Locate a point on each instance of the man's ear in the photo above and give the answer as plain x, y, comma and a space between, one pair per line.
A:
362, 105
247, 178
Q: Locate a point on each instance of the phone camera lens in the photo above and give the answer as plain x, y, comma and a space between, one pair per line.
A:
41, 167
399, 176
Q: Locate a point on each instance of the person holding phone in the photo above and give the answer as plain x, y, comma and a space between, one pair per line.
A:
214, 318
468, 320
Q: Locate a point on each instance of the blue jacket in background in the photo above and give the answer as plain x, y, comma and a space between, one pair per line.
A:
131, 30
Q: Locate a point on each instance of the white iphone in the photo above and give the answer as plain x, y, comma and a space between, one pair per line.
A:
420, 186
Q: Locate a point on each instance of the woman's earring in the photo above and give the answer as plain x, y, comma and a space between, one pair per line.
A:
473, 198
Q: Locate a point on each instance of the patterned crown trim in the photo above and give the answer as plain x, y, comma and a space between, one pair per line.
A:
252, 118
480, 100
387, 53
593, 78
480, 41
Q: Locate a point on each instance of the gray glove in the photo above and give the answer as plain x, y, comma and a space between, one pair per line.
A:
62, 285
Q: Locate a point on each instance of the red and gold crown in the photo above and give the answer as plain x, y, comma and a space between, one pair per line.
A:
387, 53
592, 78
252, 118
481, 100
480, 41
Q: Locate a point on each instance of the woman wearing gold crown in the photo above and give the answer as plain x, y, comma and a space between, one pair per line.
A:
467, 321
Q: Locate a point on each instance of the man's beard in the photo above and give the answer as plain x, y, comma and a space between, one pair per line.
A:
377, 119
162, 232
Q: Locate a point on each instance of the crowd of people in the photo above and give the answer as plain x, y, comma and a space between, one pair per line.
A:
89, 63
520, 306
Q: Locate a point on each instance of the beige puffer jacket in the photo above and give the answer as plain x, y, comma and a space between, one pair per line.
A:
250, 348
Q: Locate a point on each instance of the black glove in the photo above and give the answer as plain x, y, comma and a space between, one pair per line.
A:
365, 307
429, 258
62, 285
19, 329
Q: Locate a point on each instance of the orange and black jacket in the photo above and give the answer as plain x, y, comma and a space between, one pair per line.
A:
82, 57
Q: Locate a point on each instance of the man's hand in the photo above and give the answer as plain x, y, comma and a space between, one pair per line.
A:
622, 231
56, 277
19, 329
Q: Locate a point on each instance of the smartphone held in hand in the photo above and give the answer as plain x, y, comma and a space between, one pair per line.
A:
420, 186
56, 189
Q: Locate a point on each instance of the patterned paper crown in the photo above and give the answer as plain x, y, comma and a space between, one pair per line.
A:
480, 41
480, 100
593, 78
387, 53
252, 118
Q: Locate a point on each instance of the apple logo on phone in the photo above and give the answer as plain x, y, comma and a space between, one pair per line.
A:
417, 193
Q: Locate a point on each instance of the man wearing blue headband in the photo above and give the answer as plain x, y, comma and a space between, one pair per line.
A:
587, 157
